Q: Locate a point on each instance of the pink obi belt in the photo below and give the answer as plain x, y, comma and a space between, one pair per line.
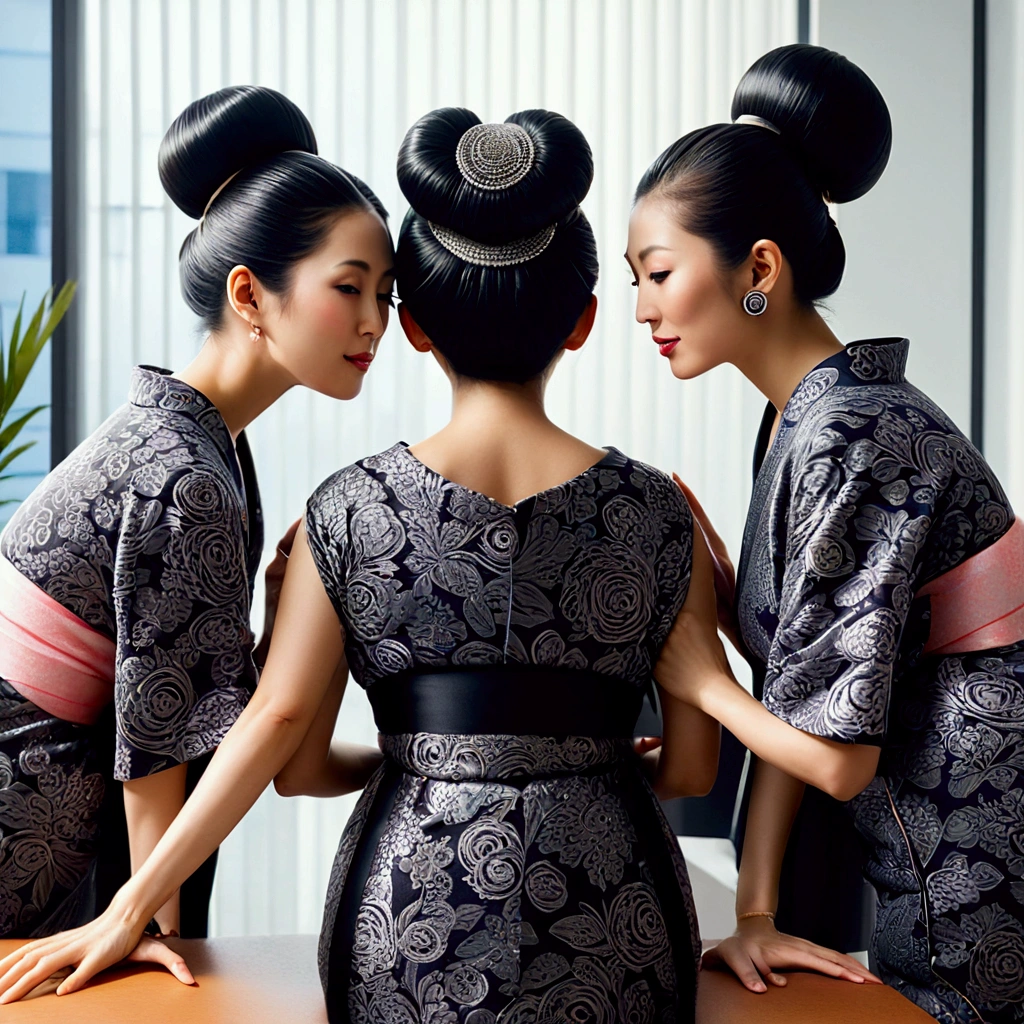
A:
979, 605
49, 655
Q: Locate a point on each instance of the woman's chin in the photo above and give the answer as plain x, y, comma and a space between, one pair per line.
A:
685, 367
342, 389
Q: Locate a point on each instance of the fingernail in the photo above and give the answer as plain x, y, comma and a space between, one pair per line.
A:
760, 988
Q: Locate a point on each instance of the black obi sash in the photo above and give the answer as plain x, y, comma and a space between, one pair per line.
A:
510, 700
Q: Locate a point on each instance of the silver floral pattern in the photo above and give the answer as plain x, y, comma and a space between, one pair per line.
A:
523, 899
511, 878
867, 493
151, 533
422, 571
50, 796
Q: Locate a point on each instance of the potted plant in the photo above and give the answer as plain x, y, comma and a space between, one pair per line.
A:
15, 365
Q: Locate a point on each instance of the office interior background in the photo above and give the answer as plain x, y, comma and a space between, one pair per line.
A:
935, 252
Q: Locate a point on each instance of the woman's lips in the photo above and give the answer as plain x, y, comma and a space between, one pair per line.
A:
361, 361
665, 345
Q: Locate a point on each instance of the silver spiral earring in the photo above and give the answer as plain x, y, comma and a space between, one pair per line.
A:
755, 302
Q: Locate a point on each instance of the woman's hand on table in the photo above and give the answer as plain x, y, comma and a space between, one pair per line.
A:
90, 949
757, 950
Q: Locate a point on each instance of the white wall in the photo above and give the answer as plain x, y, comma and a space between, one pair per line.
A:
634, 74
1004, 257
908, 241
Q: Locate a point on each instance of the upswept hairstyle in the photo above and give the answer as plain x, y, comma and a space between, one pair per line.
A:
244, 162
736, 183
496, 322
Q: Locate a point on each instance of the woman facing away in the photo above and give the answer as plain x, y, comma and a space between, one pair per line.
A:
127, 574
881, 582
502, 590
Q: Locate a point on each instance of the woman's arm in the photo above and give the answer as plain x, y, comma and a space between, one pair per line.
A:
757, 949
303, 656
694, 669
687, 763
775, 798
321, 767
150, 805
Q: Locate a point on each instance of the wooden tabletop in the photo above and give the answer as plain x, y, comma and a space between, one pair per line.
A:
812, 998
273, 980
255, 980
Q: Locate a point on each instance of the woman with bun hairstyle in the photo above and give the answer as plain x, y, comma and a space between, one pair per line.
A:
502, 590
880, 585
127, 574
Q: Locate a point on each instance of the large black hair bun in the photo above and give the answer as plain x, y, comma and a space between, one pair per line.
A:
827, 109
494, 182
222, 133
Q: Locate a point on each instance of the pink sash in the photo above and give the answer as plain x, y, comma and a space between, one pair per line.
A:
980, 604
49, 655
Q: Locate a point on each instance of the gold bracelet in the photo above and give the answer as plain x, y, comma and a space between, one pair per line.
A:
770, 914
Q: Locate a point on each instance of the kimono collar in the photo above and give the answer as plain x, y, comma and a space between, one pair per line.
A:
873, 361
154, 388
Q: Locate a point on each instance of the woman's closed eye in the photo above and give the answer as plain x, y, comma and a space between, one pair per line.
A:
348, 289
388, 297
659, 276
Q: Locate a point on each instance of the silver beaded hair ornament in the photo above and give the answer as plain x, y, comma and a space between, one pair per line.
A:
494, 157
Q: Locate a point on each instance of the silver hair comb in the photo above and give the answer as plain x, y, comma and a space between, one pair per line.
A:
495, 156
522, 250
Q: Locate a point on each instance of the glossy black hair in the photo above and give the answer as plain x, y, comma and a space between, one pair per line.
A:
736, 183
277, 208
496, 323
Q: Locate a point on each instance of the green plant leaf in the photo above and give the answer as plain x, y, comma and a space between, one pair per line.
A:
57, 311
6, 460
6, 355
25, 355
24, 349
10, 431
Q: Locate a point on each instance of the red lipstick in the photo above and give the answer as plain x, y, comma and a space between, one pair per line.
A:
665, 345
361, 361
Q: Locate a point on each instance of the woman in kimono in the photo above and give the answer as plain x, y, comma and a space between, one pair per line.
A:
881, 583
127, 574
502, 590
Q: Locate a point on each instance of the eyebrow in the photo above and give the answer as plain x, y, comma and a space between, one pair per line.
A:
363, 265
644, 253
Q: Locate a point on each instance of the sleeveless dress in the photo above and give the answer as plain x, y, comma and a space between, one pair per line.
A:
505, 864
146, 541
881, 588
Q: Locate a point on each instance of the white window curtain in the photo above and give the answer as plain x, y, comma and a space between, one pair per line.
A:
633, 74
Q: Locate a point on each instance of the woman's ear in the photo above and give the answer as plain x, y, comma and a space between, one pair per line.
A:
583, 327
413, 331
766, 265
243, 292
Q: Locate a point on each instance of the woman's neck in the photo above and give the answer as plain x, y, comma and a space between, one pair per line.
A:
238, 378
494, 408
500, 442
779, 360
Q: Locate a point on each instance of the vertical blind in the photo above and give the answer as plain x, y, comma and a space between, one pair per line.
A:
633, 74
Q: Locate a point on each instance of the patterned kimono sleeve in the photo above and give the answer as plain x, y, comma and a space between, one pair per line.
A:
856, 526
327, 516
184, 669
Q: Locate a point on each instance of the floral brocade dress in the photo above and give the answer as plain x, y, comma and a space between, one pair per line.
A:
147, 539
881, 588
508, 862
